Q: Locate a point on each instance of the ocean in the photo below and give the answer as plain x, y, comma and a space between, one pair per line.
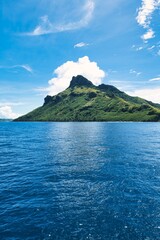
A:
79, 181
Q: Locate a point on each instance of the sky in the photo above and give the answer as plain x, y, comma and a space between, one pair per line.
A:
43, 43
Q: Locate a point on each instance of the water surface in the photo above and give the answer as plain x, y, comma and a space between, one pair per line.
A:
89, 181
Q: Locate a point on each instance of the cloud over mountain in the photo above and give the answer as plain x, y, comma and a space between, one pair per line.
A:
66, 71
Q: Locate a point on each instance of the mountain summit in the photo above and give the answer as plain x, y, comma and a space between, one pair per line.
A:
80, 81
83, 101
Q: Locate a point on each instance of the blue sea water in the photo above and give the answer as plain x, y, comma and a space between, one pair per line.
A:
79, 181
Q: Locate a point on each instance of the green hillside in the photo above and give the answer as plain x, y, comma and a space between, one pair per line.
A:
82, 101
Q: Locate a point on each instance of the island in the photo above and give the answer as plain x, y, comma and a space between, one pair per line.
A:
83, 101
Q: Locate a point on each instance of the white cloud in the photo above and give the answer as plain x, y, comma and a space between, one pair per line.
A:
7, 112
11, 104
81, 44
66, 71
148, 94
152, 47
154, 79
134, 72
24, 66
46, 26
144, 16
145, 12
148, 35
139, 48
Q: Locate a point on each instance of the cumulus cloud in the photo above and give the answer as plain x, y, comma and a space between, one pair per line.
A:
144, 16
81, 44
46, 26
6, 112
66, 71
148, 94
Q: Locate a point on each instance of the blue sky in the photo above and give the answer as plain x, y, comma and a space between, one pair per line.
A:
44, 42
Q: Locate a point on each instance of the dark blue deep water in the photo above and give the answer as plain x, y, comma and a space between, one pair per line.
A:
79, 181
